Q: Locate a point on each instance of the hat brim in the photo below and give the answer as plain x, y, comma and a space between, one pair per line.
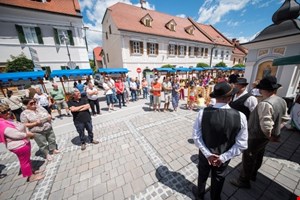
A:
274, 87
241, 83
231, 93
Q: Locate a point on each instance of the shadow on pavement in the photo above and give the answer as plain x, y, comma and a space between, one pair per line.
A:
76, 141
191, 141
146, 109
36, 164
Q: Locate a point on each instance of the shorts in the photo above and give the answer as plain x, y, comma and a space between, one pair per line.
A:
156, 100
61, 104
192, 98
167, 97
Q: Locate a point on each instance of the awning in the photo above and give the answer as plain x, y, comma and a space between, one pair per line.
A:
198, 69
162, 69
71, 72
287, 60
113, 70
238, 68
15, 76
183, 69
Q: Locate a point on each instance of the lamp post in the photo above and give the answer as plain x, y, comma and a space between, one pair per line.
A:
85, 39
211, 54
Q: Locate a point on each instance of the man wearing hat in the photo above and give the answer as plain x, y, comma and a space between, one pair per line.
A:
220, 133
81, 117
264, 126
242, 100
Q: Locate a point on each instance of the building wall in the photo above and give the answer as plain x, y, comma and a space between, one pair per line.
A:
49, 53
288, 76
118, 49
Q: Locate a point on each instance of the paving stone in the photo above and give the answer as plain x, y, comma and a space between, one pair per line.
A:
128, 177
85, 175
118, 194
108, 196
120, 181
56, 195
8, 193
111, 185
83, 168
138, 185
127, 190
68, 191
95, 180
99, 190
286, 181
86, 195
81, 186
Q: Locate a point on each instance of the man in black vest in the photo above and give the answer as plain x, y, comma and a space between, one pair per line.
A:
220, 133
264, 125
242, 100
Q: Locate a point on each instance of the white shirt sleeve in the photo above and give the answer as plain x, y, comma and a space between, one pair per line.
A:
251, 103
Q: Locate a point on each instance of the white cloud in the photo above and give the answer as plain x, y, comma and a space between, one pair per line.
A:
242, 39
181, 15
232, 23
94, 11
212, 11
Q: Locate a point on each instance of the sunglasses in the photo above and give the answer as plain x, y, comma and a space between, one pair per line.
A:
5, 111
32, 103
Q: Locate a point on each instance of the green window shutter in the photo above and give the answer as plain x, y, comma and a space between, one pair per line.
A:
39, 35
21, 34
56, 40
71, 37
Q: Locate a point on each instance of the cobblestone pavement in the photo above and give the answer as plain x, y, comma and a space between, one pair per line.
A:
143, 155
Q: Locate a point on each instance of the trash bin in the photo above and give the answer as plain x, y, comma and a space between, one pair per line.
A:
289, 102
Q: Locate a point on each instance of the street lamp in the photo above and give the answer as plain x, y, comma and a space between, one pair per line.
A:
85, 39
211, 54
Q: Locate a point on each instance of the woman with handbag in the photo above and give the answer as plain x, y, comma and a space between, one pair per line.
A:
14, 103
16, 139
37, 120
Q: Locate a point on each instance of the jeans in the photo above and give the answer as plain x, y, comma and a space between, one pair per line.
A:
121, 97
145, 92
133, 95
80, 126
94, 103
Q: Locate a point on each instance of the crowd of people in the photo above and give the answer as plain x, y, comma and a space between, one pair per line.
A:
224, 100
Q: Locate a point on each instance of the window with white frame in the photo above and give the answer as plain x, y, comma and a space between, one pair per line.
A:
136, 47
205, 52
30, 35
222, 54
172, 49
216, 53
152, 48
227, 55
202, 52
191, 51
62, 36
182, 50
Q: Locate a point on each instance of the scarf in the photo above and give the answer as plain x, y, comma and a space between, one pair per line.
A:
3, 125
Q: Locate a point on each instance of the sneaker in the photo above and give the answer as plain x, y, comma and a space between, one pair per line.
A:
83, 147
238, 183
95, 142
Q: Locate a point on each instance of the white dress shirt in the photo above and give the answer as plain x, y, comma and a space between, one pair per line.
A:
250, 103
241, 140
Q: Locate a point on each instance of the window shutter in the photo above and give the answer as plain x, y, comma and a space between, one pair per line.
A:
56, 40
156, 49
141, 47
70, 35
176, 49
21, 34
131, 47
169, 48
190, 51
39, 35
148, 48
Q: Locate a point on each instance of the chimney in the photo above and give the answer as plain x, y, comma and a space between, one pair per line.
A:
142, 2
237, 42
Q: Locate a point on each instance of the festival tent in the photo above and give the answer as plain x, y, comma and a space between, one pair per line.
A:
113, 70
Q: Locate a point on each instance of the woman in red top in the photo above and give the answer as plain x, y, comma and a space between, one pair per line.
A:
120, 88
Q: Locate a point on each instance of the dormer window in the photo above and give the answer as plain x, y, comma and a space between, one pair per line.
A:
190, 29
171, 25
147, 20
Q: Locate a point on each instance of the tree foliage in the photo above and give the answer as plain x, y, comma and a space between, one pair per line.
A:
168, 66
19, 63
221, 64
200, 64
239, 65
92, 65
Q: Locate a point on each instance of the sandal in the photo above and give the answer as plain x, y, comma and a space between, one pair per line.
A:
35, 177
49, 157
39, 171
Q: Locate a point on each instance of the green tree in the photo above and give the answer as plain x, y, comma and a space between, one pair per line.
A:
239, 65
93, 66
168, 66
221, 64
202, 65
19, 64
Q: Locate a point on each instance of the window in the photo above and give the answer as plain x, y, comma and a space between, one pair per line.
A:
109, 28
63, 36
148, 22
227, 55
30, 35
205, 52
222, 54
202, 52
172, 49
191, 51
216, 53
136, 47
197, 51
172, 27
152, 48
182, 50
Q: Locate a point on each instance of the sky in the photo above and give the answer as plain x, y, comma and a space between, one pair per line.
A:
240, 19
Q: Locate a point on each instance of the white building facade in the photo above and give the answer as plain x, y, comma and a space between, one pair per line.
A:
139, 48
56, 37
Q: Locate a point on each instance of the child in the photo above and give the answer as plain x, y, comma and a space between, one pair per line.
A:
192, 97
201, 101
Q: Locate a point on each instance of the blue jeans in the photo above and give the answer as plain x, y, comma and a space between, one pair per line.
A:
145, 92
80, 126
133, 95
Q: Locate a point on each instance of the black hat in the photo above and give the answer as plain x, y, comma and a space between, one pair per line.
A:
241, 81
223, 89
268, 83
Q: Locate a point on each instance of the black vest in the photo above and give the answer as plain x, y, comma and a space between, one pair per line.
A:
220, 128
239, 105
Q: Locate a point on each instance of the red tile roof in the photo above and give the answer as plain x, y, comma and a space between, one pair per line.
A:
127, 17
97, 52
67, 7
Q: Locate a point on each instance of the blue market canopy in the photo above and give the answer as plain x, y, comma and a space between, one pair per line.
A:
238, 68
71, 72
183, 69
287, 60
15, 76
198, 69
165, 69
113, 70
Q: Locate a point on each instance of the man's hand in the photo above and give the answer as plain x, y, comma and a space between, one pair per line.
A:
212, 159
